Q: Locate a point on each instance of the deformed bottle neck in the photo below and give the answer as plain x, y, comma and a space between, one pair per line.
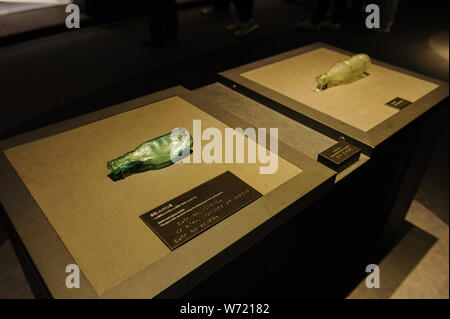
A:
117, 165
322, 81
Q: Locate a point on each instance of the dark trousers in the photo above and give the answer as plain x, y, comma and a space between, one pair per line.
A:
221, 5
163, 20
338, 10
388, 12
244, 9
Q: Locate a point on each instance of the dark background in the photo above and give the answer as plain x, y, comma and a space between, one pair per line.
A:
51, 74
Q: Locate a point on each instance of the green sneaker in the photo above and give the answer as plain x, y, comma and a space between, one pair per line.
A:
233, 27
246, 28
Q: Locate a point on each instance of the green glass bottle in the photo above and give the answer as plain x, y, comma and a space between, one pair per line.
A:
344, 72
154, 154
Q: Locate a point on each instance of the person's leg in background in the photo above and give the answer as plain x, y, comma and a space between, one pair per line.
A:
388, 13
246, 24
163, 21
171, 21
221, 5
321, 10
244, 9
318, 18
156, 22
339, 13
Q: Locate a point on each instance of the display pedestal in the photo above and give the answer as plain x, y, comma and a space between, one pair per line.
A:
399, 141
60, 207
77, 215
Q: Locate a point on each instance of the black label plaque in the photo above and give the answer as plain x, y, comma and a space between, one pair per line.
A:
398, 103
340, 155
188, 215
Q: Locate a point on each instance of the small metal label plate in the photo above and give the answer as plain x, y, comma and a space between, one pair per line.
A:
190, 214
340, 155
398, 103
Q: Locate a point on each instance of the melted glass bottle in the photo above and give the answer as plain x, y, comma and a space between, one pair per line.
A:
344, 72
154, 154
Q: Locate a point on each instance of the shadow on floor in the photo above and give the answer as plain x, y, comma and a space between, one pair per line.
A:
13, 284
398, 264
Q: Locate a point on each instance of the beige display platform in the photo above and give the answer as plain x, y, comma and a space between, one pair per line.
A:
361, 104
296, 135
357, 110
97, 219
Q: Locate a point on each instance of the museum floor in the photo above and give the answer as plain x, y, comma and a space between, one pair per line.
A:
95, 67
416, 268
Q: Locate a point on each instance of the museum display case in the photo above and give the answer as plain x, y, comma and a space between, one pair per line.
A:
393, 115
62, 207
366, 112
70, 193
223, 155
